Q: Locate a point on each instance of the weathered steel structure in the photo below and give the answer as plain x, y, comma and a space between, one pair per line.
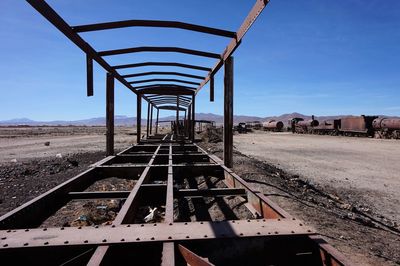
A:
168, 170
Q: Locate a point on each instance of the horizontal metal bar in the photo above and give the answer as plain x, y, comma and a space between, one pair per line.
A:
171, 107
153, 23
99, 195
158, 49
162, 73
162, 64
137, 233
170, 80
212, 192
164, 86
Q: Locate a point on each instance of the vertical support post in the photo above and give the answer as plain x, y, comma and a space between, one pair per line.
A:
211, 88
110, 114
189, 122
228, 112
139, 118
148, 120
151, 119
158, 112
193, 118
89, 75
177, 114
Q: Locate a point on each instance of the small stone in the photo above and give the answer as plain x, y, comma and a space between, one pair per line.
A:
13, 160
47, 143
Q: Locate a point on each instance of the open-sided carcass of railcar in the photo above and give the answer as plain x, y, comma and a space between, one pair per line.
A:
254, 125
301, 126
357, 126
327, 127
273, 125
386, 128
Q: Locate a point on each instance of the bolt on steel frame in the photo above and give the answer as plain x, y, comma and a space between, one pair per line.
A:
169, 171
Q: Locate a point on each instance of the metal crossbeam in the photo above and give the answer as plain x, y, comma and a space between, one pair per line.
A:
153, 23
160, 49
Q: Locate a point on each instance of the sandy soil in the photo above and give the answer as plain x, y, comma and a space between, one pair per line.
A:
363, 166
29, 143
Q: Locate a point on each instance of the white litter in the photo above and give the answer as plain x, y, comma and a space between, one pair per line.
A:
13, 160
58, 155
150, 216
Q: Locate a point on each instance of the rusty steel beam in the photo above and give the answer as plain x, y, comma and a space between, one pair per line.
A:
235, 42
162, 73
165, 86
174, 64
158, 49
138, 118
228, 113
166, 91
169, 80
89, 75
110, 114
170, 107
153, 23
192, 258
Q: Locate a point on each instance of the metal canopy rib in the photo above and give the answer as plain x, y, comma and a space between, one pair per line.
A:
160, 49
153, 23
162, 73
174, 64
165, 86
167, 80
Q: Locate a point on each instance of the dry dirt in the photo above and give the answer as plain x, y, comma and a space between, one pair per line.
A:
364, 166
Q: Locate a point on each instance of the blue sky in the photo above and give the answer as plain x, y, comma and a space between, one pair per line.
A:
314, 57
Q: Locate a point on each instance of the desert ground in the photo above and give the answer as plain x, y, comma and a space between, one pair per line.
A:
347, 188
365, 166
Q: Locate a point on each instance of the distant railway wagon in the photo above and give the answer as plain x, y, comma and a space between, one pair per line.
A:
273, 125
328, 127
257, 125
357, 126
386, 128
301, 126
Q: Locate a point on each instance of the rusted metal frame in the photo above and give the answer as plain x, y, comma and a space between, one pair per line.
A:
168, 256
125, 211
170, 108
166, 86
162, 232
168, 80
158, 115
138, 118
211, 192
162, 64
235, 42
166, 91
192, 258
148, 120
110, 114
89, 75
228, 113
37, 210
152, 97
161, 102
162, 73
193, 124
211, 88
153, 23
270, 210
169, 101
158, 49
151, 119
189, 122
177, 114
98, 195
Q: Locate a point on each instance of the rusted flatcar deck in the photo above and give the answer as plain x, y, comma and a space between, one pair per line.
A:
207, 215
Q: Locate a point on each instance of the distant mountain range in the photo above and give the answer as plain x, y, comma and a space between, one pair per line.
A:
122, 120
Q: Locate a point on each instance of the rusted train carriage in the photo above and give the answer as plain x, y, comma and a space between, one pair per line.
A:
328, 127
273, 125
386, 128
357, 126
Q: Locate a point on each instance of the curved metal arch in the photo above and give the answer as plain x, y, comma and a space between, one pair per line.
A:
166, 91
159, 49
153, 23
170, 99
171, 107
165, 86
158, 97
162, 73
162, 64
168, 80
169, 102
